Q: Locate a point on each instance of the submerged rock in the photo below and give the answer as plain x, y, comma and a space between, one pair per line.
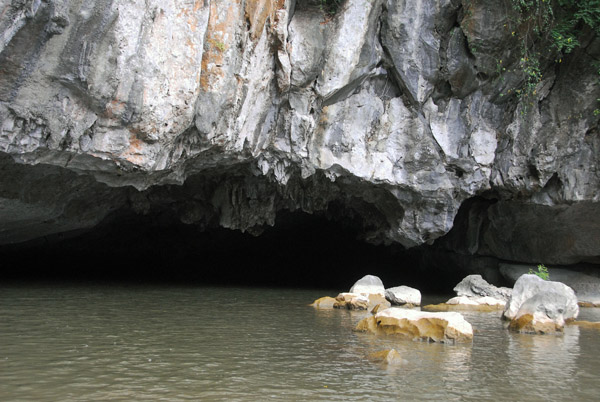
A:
539, 306
389, 357
368, 284
418, 325
463, 303
586, 324
403, 295
324, 303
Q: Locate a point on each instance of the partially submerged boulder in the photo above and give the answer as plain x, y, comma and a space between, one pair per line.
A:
324, 303
358, 301
474, 286
419, 325
403, 295
368, 284
539, 306
541, 314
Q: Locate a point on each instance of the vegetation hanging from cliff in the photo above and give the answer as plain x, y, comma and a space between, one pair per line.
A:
549, 29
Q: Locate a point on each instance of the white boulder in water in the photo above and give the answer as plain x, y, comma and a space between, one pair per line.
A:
368, 284
402, 295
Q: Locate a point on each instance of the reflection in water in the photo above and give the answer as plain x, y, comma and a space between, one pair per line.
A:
545, 360
143, 343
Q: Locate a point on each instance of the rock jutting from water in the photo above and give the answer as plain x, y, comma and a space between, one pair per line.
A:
393, 113
366, 294
418, 325
474, 293
403, 296
540, 306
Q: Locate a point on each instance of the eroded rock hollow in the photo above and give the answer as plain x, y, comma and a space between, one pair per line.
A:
389, 113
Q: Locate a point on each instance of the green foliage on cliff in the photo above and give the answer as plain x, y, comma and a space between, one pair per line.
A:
542, 272
550, 28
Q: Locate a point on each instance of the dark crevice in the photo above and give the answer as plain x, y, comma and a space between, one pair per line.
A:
301, 250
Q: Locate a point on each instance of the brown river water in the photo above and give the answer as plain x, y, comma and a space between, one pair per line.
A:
64, 342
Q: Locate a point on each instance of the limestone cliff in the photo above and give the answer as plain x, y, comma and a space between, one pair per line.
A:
393, 112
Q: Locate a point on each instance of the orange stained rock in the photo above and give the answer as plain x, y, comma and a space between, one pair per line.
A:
586, 324
429, 329
390, 357
219, 34
324, 302
381, 307
258, 11
527, 324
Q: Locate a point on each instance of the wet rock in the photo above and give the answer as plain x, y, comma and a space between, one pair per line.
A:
544, 313
389, 357
369, 284
418, 325
381, 307
540, 306
352, 301
403, 295
474, 286
586, 324
464, 303
324, 303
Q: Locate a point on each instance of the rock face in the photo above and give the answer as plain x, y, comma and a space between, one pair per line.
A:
418, 325
228, 112
539, 306
401, 295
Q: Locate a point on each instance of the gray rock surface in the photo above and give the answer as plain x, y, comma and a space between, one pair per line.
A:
476, 286
228, 112
401, 295
551, 298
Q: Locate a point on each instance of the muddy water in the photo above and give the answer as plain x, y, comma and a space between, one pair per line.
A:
67, 342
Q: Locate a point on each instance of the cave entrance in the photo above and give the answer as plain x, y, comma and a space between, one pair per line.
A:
301, 250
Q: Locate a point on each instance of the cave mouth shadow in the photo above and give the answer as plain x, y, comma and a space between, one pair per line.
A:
300, 251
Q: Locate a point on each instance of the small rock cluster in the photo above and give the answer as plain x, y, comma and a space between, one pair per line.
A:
534, 306
369, 294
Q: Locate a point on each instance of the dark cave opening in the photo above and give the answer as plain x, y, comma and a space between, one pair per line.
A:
300, 251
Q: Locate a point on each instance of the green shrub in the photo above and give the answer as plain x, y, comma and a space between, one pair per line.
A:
549, 29
542, 272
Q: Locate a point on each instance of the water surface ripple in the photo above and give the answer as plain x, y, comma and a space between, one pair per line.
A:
81, 343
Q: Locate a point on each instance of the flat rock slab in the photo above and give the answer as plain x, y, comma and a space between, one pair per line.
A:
463, 303
419, 325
